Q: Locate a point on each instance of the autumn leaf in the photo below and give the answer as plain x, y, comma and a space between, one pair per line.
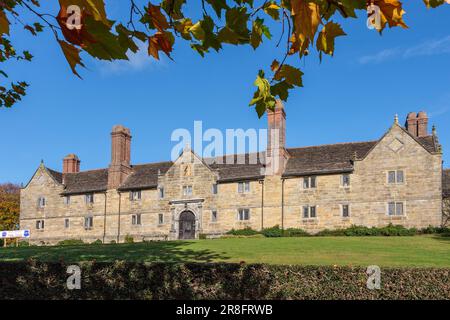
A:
161, 41
262, 98
306, 18
391, 13
326, 38
273, 10
4, 23
433, 3
158, 20
72, 55
258, 30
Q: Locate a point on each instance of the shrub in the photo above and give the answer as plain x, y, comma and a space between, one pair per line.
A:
71, 242
217, 281
129, 239
243, 232
273, 232
293, 232
97, 242
202, 236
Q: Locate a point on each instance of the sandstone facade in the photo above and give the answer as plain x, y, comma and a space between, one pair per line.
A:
397, 179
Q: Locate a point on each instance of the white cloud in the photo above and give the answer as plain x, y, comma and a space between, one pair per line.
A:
427, 48
137, 62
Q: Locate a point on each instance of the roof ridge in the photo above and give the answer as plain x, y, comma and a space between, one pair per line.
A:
87, 171
153, 163
332, 144
52, 170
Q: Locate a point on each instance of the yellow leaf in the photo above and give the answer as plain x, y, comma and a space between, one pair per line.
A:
325, 41
72, 55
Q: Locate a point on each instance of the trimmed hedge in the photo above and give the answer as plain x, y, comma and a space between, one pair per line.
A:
121, 280
353, 231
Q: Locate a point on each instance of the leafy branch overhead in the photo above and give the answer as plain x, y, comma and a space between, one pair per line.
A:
83, 27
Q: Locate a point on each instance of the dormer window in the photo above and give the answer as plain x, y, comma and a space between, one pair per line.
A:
41, 202
135, 195
89, 198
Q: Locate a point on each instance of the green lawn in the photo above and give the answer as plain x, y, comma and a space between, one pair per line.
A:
418, 251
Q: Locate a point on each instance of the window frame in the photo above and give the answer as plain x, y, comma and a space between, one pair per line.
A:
40, 224
345, 184
135, 195
395, 205
161, 193
187, 191
42, 202
89, 198
88, 226
309, 183
395, 174
309, 212
66, 200
244, 187
243, 213
215, 188
66, 223
136, 219
160, 219
214, 216
343, 206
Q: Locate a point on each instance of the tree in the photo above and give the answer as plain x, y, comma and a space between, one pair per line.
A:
9, 206
83, 26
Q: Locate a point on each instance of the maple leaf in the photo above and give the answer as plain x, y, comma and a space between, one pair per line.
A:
72, 55
306, 19
161, 41
326, 38
262, 98
4, 23
158, 20
391, 13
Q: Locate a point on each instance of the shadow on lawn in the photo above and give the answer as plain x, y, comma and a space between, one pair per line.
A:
164, 251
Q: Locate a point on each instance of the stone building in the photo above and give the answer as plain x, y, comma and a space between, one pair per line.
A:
396, 179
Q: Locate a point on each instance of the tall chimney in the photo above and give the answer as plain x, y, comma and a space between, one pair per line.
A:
411, 123
71, 164
119, 168
276, 154
422, 124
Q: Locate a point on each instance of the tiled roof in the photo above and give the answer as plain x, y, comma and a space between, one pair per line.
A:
333, 158
239, 167
145, 176
86, 181
55, 174
446, 183
326, 159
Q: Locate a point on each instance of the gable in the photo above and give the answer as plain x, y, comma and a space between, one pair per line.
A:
44, 175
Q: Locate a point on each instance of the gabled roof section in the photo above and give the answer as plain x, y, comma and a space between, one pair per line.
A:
86, 181
238, 167
145, 176
332, 158
57, 176
446, 183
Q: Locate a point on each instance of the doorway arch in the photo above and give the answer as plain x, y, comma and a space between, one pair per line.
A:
186, 229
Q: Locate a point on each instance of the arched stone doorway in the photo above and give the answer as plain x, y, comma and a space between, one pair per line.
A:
186, 228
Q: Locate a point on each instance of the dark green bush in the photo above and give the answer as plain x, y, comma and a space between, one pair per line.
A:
202, 236
97, 242
163, 281
273, 232
71, 242
293, 232
243, 232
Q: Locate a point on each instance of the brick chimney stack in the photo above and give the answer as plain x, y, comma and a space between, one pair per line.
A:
411, 123
276, 154
120, 167
422, 124
417, 124
71, 164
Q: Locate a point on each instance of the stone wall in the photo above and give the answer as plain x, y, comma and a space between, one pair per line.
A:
368, 197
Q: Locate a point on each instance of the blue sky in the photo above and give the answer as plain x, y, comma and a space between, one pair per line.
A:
350, 97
